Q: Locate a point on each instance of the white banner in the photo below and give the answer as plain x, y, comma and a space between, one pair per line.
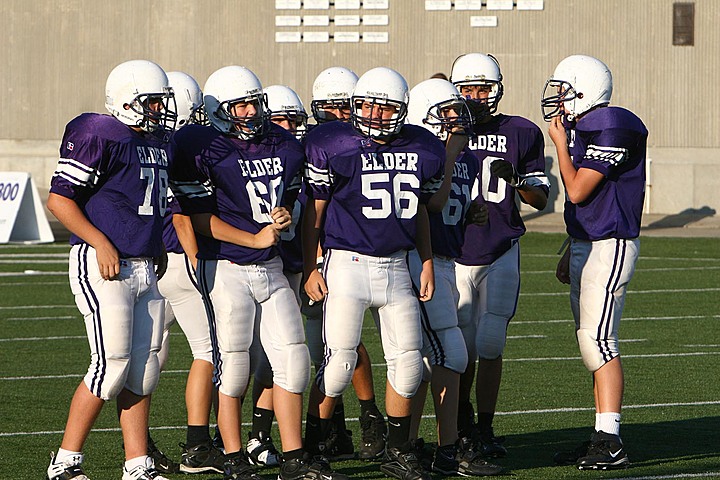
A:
22, 216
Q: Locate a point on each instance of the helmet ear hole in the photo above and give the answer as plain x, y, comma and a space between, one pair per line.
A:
580, 95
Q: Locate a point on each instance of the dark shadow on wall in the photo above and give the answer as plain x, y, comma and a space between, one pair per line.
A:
684, 218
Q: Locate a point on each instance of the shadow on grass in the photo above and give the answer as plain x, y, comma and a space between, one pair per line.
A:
657, 448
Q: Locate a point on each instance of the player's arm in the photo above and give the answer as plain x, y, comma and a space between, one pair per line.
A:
424, 248
186, 235
455, 144
533, 196
312, 221
580, 183
212, 226
69, 214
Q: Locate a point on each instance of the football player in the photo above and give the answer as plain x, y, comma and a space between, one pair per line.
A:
436, 105
332, 90
183, 303
235, 179
287, 111
110, 191
370, 180
510, 153
602, 158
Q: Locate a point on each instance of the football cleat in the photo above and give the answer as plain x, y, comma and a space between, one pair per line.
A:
460, 459
403, 465
66, 470
488, 444
141, 472
308, 468
374, 434
204, 458
261, 451
238, 468
162, 463
605, 452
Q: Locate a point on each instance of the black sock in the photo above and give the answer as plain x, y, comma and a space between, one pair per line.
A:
368, 406
235, 455
485, 421
293, 454
262, 421
316, 429
338, 418
466, 417
398, 432
197, 435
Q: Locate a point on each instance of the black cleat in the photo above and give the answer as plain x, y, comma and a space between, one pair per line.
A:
204, 458
261, 451
460, 459
308, 468
606, 452
487, 444
374, 434
163, 464
238, 468
403, 465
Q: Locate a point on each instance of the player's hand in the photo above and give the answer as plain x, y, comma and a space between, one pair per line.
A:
161, 264
505, 170
267, 237
108, 260
562, 272
480, 111
282, 217
315, 286
557, 132
477, 214
427, 281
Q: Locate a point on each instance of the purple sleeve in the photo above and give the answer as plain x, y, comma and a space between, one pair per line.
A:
81, 162
317, 171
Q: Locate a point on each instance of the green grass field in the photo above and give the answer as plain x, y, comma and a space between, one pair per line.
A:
670, 344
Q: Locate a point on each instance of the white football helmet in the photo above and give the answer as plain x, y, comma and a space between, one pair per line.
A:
332, 89
285, 104
189, 99
579, 83
479, 69
229, 86
381, 89
130, 90
438, 106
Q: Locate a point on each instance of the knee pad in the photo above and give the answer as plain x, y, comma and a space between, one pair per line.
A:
596, 352
313, 334
232, 373
446, 348
405, 372
490, 337
295, 373
335, 375
143, 374
107, 385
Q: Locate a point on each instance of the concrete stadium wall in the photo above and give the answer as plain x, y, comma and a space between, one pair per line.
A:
57, 55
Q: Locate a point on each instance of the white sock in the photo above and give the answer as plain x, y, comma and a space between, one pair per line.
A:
143, 460
68, 457
610, 423
597, 422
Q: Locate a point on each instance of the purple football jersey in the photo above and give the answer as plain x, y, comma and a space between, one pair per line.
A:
373, 189
239, 181
612, 141
119, 179
520, 142
170, 237
291, 240
447, 228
